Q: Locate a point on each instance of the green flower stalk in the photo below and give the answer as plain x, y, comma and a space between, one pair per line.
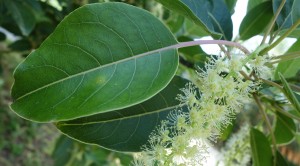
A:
213, 101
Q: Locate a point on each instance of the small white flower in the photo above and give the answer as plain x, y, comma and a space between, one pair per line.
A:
236, 63
259, 66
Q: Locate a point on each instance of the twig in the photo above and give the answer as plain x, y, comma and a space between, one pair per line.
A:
271, 83
294, 87
285, 57
271, 26
279, 109
269, 126
292, 28
245, 75
202, 42
227, 53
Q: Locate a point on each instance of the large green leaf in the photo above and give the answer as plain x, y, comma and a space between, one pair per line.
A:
256, 20
211, 15
97, 60
285, 129
127, 129
289, 14
261, 148
289, 68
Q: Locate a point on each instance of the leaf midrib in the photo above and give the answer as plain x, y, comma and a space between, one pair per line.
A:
125, 117
96, 68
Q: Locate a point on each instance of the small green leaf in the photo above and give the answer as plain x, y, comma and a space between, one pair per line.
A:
23, 16
175, 22
285, 129
127, 129
289, 68
289, 93
256, 20
289, 14
261, 148
98, 59
213, 16
63, 151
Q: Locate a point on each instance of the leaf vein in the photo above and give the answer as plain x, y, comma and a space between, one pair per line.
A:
94, 93
77, 87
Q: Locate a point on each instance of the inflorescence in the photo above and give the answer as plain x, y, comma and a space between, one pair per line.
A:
212, 100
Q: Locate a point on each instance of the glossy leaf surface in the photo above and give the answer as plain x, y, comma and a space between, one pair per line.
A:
260, 148
97, 60
127, 129
256, 20
212, 15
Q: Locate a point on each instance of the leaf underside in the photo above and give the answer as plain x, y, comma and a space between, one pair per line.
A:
127, 129
289, 14
213, 16
256, 20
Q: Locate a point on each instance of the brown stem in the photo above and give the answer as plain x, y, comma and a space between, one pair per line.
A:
271, 83
279, 109
264, 51
269, 126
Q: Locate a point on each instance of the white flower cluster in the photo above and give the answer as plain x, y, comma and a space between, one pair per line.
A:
214, 99
237, 150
